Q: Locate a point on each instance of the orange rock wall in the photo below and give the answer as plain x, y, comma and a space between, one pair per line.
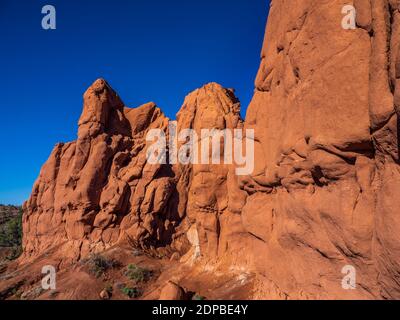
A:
325, 190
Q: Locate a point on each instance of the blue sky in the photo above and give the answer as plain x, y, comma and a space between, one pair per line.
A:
148, 50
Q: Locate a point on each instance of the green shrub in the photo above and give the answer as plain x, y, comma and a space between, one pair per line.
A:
198, 297
132, 292
109, 288
99, 264
137, 274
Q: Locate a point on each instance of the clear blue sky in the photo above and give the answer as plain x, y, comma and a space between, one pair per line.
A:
148, 50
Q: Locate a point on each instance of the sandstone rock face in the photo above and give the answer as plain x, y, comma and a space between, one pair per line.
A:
212, 189
324, 193
172, 291
100, 189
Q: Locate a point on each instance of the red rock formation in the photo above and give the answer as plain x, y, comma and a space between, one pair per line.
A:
324, 112
324, 192
100, 189
171, 291
213, 192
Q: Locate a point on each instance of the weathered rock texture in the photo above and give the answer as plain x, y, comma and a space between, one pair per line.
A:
326, 187
100, 190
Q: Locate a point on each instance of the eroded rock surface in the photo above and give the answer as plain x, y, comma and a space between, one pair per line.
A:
100, 189
325, 190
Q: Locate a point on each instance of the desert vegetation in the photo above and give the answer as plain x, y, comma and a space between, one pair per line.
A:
99, 264
10, 232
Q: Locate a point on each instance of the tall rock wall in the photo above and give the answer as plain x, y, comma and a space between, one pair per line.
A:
324, 194
325, 190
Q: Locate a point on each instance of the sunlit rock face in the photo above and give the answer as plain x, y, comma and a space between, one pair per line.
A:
101, 189
325, 191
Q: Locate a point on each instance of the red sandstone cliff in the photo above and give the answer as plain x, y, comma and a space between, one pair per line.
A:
100, 190
324, 193
324, 112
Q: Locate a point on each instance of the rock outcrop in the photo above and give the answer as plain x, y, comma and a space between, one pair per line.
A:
100, 189
325, 189
171, 291
324, 193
